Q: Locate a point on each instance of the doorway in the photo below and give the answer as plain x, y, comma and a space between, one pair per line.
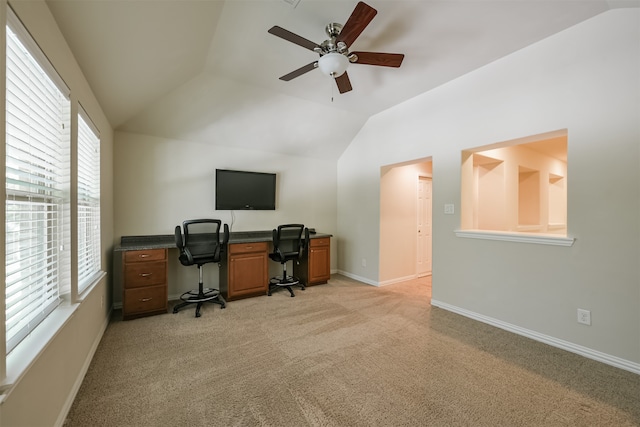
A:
405, 214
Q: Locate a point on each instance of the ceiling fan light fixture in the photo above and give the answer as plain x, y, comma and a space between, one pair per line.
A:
333, 64
334, 52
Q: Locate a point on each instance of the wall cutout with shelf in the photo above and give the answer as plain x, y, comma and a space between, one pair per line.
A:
516, 186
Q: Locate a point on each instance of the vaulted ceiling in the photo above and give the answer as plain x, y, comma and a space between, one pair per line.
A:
207, 70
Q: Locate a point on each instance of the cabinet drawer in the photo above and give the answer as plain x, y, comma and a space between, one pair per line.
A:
143, 300
319, 242
144, 256
242, 248
145, 274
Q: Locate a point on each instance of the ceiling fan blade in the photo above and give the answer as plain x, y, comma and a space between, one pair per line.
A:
293, 38
382, 59
343, 82
300, 71
357, 22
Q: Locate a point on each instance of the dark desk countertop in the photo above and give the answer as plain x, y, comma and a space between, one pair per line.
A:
162, 241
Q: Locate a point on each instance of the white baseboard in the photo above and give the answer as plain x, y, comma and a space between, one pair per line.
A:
358, 278
85, 367
608, 359
398, 280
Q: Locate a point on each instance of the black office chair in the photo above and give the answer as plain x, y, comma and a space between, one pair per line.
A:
201, 245
288, 244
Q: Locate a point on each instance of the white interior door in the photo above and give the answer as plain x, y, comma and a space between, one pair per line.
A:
423, 262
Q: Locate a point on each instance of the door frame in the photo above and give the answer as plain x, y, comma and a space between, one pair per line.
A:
419, 273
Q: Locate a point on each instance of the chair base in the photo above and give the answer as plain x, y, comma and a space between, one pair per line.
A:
199, 297
278, 282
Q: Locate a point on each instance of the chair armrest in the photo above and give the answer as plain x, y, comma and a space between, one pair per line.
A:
225, 236
304, 245
178, 236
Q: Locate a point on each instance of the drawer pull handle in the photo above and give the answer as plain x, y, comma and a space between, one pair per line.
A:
145, 274
144, 255
145, 299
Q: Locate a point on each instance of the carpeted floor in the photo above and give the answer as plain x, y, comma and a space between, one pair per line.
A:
342, 354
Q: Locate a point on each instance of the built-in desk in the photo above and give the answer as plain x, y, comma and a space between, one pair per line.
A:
244, 268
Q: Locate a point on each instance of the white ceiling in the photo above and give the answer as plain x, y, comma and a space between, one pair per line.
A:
207, 70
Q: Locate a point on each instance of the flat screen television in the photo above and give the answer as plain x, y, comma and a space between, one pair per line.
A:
243, 190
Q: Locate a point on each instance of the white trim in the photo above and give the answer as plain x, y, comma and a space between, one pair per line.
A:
605, 358
64, 411
359, 278
97, 278
398, 280
87, 119
516, 237
22, 358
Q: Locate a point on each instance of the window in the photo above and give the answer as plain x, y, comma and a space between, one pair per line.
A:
517, 186
37, 185
89, 261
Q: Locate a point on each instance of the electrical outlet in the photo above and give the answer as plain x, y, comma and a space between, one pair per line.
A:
584, 316
449, 209
364, 262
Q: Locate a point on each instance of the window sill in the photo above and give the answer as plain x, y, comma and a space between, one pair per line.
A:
25, 354
539, 239
92, 284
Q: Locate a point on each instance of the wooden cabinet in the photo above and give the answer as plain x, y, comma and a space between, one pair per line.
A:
315, 268
247, 270
244, 269
144, 283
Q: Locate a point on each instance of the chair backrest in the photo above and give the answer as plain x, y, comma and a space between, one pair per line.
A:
290, 241
201, 242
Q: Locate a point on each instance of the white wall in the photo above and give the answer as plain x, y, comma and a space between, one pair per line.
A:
56, 371
585, 79
160, 182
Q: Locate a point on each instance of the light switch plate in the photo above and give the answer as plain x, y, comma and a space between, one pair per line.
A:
449, 209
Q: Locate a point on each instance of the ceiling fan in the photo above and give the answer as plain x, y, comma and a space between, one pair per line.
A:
334, 52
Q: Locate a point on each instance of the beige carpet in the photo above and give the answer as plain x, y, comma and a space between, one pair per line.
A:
342, 354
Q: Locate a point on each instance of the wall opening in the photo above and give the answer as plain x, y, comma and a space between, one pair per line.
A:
516, 186
402, 221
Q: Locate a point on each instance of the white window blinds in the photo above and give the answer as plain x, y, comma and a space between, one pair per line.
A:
89, 260
37, 184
